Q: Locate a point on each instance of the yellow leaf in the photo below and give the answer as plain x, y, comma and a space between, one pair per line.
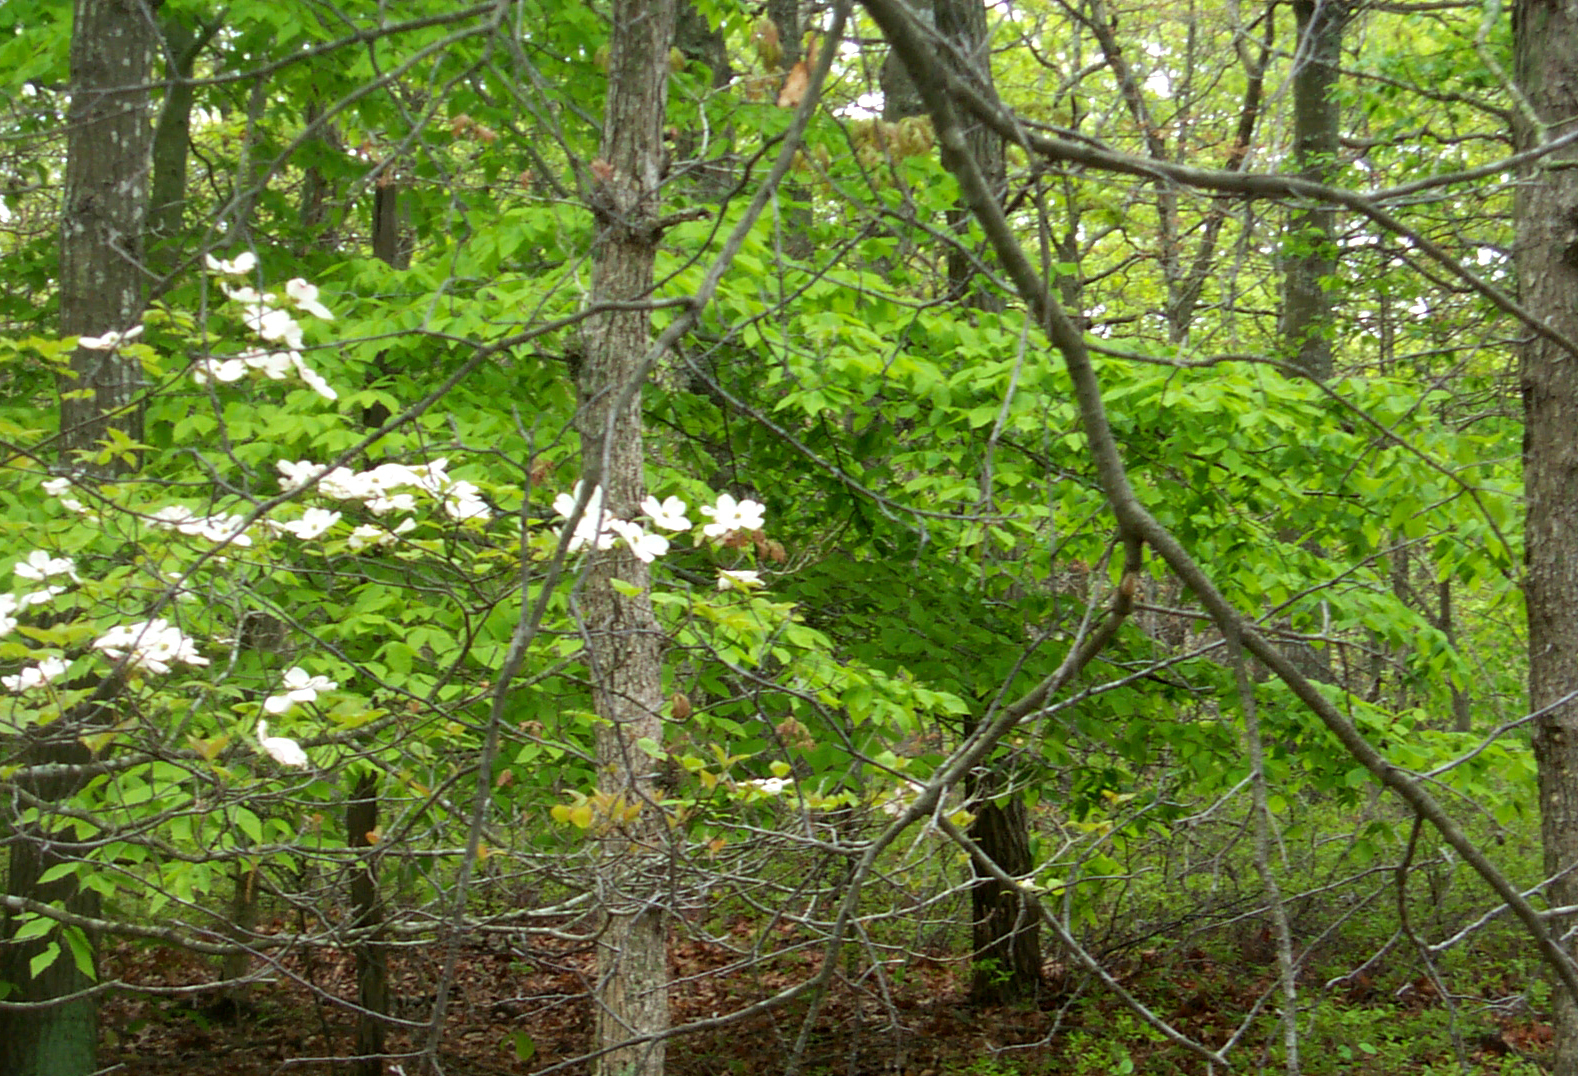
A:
99, 741
209, 749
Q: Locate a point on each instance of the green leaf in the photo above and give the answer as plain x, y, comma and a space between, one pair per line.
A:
41, 963
57, 872
249, 824
36, 927
525, 1046
81, 951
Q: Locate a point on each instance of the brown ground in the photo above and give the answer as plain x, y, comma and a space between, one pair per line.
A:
507, 1002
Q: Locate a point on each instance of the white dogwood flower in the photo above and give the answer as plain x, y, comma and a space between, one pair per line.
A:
149, 644
729, 515
312, 524
645, 545
739, 579
299, 687
305, 296
39, 566
109, 341
668, 514
35, 676
285, 751
243, 264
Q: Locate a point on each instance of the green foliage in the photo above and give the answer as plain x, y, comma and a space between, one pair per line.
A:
937, 539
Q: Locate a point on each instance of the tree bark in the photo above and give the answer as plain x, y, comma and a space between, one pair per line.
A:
390, 246
1311, 253
1546, 210
1005, 941
962, 24
372, 958
1005, 934
183, 39
61, 1040
624, 642
109, 145
243, 921
108, 150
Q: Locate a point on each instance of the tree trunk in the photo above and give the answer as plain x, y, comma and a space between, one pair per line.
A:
796, 227
243, 921
61, 1040
316, 190
390, 246
1005, 935
1310, 248
183, 40
1462, 711
1546, 211
624, 642
962, 24
109, 146
372, 958
900, 96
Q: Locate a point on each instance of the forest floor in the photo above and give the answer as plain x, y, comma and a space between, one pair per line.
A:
510, 1005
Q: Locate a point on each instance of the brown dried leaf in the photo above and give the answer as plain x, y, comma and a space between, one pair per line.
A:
795, 85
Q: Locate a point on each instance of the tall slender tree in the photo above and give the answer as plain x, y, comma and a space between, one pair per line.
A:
1005, 931
102, 290
623, 641
1311, 256
1546, 42
182, 40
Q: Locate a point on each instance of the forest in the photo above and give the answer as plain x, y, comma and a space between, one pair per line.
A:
933, 537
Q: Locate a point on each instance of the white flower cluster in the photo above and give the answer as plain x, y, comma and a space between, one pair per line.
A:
314, 523
36, 568
383, 490
596, 528
182, 519
299, 687
153, 645
11, 604
58, 487
368, 536
274, 324
739, 579
36, 676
